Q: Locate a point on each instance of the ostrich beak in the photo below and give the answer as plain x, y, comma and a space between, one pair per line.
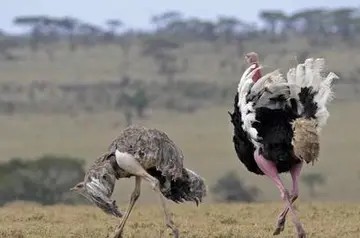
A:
77, 187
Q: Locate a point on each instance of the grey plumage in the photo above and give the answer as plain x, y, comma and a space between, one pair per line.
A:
162, 159
151, 148
98, 185
147, 154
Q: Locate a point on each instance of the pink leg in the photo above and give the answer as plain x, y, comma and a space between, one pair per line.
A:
295, 174
269, 169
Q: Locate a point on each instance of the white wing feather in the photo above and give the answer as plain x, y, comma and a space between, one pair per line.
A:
273, 84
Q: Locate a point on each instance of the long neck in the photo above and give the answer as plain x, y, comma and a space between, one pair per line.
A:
257, 74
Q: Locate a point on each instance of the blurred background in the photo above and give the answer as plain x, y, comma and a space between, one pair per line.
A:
73, 74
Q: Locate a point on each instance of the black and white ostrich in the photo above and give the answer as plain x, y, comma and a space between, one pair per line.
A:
147, 154
277, 121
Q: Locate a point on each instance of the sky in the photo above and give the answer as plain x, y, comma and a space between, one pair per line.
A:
136, 13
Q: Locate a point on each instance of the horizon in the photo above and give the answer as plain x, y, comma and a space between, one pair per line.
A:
135, 17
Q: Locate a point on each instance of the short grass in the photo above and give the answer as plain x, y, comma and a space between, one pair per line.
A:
330, 220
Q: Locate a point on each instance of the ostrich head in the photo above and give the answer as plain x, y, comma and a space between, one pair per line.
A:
99, 184
251, 58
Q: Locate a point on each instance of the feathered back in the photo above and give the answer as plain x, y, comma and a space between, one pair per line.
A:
311, 89
152, 148
305, 90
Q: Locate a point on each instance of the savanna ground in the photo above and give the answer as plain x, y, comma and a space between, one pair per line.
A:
329, 220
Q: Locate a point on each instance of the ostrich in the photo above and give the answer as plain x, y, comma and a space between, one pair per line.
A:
147, 154
277, 123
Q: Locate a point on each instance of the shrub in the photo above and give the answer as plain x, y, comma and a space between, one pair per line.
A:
230, 188
46, 180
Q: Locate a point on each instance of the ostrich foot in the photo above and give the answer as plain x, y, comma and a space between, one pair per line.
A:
282, 217
300, 232
280, 226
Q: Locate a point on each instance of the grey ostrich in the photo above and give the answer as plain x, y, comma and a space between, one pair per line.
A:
147, 154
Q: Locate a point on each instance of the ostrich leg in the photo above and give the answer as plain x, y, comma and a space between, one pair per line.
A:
269, 169
134, 197
168, 220
131, 165
295, 174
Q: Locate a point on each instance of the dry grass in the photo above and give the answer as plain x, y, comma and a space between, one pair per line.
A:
102, 63
208, 220
205, 138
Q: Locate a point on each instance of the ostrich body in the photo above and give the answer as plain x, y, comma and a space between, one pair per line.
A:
147, 154
277, 122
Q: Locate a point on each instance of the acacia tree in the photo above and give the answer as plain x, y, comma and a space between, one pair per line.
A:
35, 24
69, 25
273, 19
163, 20
113, 25
89, 33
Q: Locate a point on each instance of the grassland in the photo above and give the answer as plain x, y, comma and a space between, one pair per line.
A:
101, 63
205, 138
328, 220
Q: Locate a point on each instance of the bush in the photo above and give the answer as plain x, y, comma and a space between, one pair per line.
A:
230, 188
46, 180
313, 180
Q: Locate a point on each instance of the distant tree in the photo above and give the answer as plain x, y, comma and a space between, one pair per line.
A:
196, 29
126, 41
90, 33
312, 180
315, 23
230, 188
273, 19
137, 101
161, 50
163, 20
140, 102
343, 22
46, 180
69, 25
113, 25
6, 46
35, 23
226, 28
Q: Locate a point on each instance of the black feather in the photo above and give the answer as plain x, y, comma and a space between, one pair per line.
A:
273, 126
243, 146
306, 98
186, 188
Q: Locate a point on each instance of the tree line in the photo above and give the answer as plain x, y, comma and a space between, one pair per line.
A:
318, 24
